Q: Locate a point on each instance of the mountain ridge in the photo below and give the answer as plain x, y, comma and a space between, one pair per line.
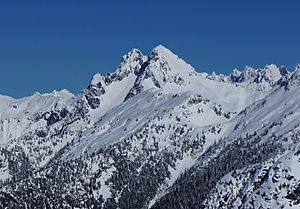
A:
136, 53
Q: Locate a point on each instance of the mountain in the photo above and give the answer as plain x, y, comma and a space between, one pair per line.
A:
155, 133
260, 79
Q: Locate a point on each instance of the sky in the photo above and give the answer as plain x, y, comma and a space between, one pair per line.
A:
57, 44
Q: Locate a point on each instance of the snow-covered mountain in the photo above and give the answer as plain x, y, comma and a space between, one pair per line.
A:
156, 134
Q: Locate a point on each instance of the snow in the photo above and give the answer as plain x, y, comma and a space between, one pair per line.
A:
272, 72
120, 122
28, 106
96, 79
115, 95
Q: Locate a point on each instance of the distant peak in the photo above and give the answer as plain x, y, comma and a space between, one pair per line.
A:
248, 68
271, 66
160, 47
236, 72
161, 51
165, 55
272, 72
96, 79
134, 52
131, 56
63, 92
165, 67
130, 63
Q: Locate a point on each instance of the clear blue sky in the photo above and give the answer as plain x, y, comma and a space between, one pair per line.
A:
55, 44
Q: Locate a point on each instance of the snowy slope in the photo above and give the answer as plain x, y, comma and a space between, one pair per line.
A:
264, 139
273, 183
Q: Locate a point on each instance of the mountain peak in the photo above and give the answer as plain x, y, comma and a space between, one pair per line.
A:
96, 79
161, 51
161, 48
166, 67
272, 72
165, 56
130, 63
132, 55
131, 59
103, 84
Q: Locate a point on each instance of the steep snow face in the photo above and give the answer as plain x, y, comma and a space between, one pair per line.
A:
273, 73
284, 103
124, 120
105, 92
